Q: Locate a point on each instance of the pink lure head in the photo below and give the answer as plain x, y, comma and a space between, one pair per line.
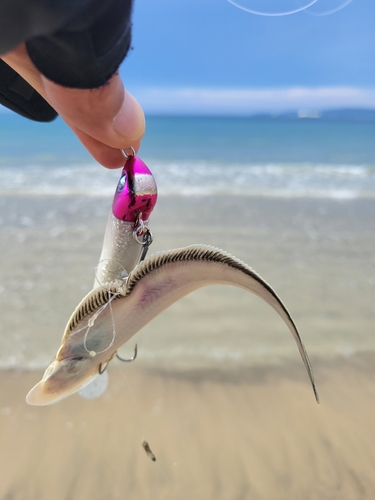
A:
136, 192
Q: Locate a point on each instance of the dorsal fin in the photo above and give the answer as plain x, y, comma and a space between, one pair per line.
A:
205, 253
191, 253
100, 296
91, 303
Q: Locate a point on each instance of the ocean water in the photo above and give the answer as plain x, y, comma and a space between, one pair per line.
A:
293, 198
200, 156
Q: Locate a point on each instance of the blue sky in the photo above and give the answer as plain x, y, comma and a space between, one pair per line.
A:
210, 56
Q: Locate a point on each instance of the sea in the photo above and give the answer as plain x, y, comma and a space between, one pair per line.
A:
294, 198
200, 156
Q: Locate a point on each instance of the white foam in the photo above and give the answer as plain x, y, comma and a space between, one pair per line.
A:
199, 178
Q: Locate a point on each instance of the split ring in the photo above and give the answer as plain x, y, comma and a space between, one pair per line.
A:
125, 154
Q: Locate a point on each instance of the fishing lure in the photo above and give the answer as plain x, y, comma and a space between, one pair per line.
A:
127, 235
154, 285
127, 238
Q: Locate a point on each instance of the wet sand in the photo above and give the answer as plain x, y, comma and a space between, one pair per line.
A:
251, 434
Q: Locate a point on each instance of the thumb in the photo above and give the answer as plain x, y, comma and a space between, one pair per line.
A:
106, 119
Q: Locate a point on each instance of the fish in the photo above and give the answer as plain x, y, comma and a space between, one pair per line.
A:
108, 317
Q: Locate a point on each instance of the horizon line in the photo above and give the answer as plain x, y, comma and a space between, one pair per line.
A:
247, 100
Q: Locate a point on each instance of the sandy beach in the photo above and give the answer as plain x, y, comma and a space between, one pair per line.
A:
251, 434
218, 389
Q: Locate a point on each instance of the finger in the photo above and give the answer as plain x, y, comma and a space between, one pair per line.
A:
108, 157
105, 120
108, 114
19, 60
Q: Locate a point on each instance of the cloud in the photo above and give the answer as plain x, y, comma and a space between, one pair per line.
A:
244, 101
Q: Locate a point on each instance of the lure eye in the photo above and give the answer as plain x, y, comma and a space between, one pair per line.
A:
121, 183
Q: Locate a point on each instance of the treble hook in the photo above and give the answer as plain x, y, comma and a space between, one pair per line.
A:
147, 240
128, 360
103, 367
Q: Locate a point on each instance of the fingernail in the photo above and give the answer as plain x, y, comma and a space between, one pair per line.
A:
130, 121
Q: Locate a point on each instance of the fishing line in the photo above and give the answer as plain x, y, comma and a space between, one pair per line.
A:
330, 11
270, 8
91, 323
257, 7
113, 295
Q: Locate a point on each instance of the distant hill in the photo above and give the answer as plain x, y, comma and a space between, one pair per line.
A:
352, 114
349, 114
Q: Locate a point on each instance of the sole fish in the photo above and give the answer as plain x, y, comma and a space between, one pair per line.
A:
107, 318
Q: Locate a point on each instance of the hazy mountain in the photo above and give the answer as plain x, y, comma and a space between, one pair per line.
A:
352, 114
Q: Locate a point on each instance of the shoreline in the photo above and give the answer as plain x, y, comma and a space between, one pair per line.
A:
319, 257
291, 368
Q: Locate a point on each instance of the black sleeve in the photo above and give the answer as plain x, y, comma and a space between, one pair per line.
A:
75, 43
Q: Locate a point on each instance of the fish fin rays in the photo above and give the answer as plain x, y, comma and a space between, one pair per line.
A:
170, 264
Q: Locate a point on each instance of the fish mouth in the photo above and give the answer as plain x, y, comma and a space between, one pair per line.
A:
55, 385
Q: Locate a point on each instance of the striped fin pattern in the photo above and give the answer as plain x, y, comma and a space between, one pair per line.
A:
91, 303
203, 253
97, 298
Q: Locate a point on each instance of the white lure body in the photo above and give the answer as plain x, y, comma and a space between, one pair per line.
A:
120, 253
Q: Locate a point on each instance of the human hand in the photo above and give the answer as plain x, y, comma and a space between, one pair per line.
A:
105, 120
